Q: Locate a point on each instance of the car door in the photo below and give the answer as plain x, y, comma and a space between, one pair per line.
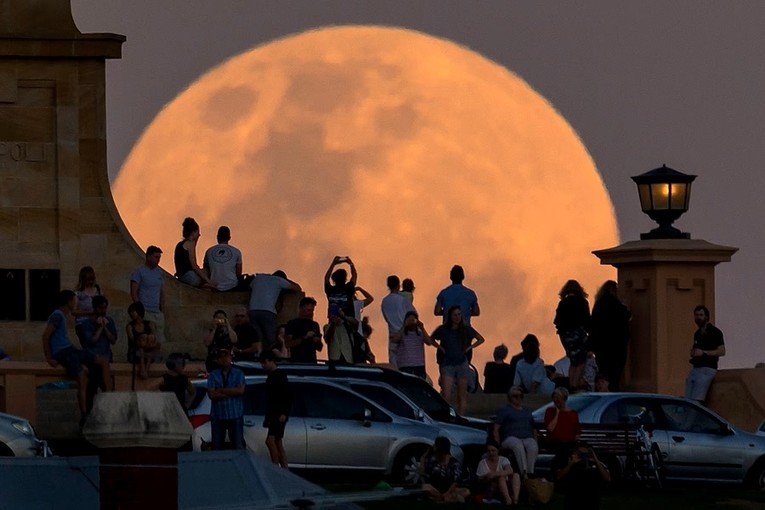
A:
255, 433
701, 446
338, 435
639, 411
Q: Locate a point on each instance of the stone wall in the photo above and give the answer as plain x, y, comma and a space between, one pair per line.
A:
57, 213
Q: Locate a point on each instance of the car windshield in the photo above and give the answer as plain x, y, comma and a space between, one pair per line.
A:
577, 402
425, 397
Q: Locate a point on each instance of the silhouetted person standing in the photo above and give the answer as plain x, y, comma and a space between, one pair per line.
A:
225, 387
278, 405
339, 289
708, 346
147, 288
394, 308
459, 295
572, 318
609, 333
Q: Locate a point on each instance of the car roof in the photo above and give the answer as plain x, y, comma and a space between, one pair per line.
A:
598, 398
326, 369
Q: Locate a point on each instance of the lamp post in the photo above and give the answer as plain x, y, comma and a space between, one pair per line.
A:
664, 197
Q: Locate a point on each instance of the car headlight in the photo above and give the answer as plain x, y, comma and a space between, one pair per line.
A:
23, 427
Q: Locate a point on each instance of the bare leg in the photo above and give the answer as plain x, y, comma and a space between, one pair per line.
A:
462, 384
107, 383
447, 383
82, 388
273, 449
502, 488
515, 487
282, 454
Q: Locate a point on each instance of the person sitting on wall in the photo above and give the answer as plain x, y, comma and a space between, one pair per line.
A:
59, 350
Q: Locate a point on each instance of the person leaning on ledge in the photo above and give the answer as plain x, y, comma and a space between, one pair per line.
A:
708, 347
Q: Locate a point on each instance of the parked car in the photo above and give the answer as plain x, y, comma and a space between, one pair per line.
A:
17, 438
471, 440
332, 429
419, 391
694, 443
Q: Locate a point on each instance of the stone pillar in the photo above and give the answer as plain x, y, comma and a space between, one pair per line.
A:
662, 280
138, 435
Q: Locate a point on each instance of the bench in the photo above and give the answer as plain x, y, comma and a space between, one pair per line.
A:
624, 448
613, 439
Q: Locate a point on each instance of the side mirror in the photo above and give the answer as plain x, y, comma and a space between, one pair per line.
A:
726, 430
419, 415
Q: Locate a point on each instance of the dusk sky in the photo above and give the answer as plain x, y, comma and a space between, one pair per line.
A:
645, 83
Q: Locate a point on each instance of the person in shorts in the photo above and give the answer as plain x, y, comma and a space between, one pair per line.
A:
278, 404
59, 351
454, 340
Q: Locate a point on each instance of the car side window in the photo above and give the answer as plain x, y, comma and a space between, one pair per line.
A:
684, 417
628, 412
329, 402
385, 398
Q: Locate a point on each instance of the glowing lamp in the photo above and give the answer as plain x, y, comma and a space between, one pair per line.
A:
664, 197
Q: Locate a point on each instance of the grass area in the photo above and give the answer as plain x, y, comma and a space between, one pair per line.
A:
674, 498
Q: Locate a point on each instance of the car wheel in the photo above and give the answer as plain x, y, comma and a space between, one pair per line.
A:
406, 468
756, 476
5, 451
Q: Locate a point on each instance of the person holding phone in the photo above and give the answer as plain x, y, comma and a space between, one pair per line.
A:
583, 478
220, 335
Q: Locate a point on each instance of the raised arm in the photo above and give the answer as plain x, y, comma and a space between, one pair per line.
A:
354, 273
368, 298
328, 275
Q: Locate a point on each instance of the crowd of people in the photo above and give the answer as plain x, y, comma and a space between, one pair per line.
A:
595, 346
507, 466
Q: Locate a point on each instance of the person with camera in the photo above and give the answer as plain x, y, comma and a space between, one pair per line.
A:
339, 289
583, 478
338, 334
220, 335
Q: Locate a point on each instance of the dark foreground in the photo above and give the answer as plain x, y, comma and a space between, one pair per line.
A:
673, 498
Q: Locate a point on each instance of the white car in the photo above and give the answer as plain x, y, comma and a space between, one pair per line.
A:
331, 430
17, 438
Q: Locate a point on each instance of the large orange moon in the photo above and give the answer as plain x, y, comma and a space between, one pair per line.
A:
407, 152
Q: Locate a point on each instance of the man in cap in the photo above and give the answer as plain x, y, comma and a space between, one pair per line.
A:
225, 387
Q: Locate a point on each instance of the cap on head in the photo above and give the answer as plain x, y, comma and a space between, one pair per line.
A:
223, 352
411, 313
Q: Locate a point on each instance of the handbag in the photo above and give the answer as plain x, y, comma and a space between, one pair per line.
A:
539, 491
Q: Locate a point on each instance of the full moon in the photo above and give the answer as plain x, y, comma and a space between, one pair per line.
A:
406, 152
